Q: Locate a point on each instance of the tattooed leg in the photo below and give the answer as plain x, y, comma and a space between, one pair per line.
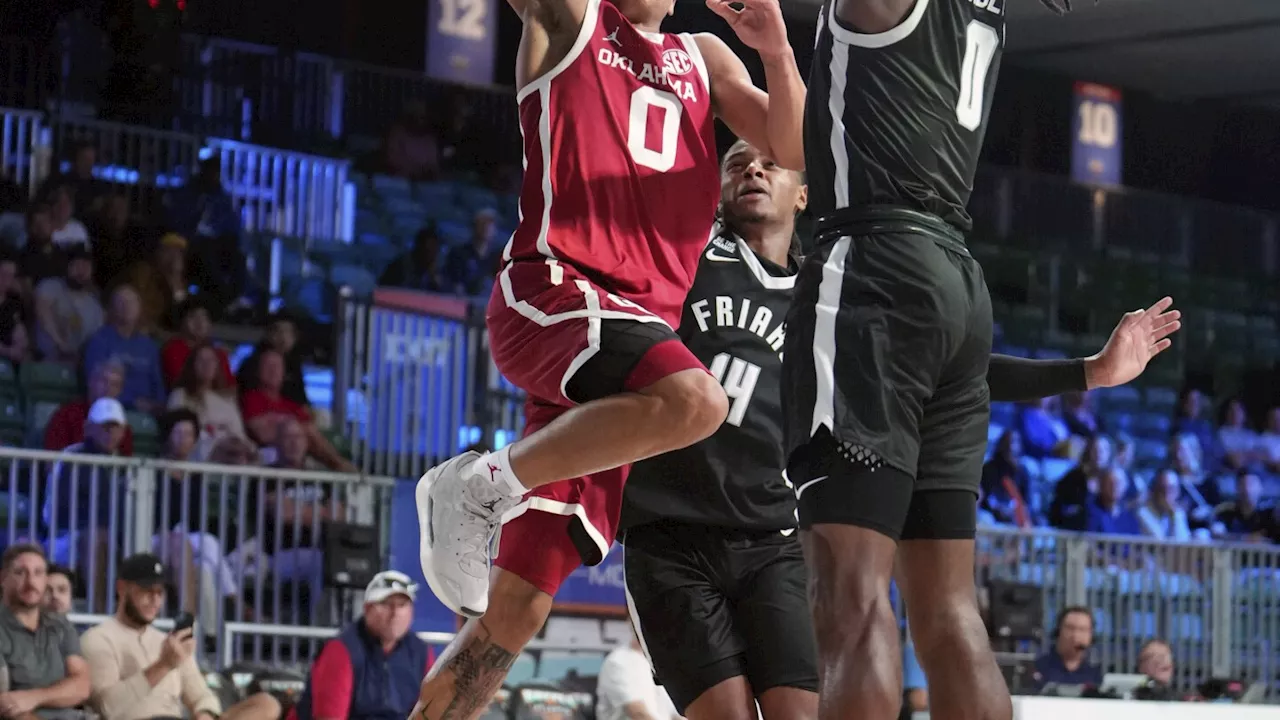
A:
469, 673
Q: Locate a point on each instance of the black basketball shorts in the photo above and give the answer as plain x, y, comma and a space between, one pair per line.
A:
711, 604
884, 387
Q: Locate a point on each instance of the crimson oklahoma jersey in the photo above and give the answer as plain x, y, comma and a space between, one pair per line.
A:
621, 172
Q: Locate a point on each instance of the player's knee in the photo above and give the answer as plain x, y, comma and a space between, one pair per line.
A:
693, 406
851, 598
945, 619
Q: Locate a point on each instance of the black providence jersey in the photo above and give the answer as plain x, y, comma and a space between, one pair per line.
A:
897, 118
733, 322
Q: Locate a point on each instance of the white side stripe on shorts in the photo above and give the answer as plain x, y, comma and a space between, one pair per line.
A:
824, 337
635, 617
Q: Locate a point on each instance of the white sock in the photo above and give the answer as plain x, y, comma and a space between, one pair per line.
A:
497, 467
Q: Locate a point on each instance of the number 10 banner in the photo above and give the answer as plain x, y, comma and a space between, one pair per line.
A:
462, 36
1096, 135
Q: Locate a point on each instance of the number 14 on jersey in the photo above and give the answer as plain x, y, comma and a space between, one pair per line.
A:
738, 377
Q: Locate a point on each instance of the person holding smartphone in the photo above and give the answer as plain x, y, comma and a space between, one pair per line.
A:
140, 673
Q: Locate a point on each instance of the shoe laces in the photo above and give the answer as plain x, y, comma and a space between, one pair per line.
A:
482, 509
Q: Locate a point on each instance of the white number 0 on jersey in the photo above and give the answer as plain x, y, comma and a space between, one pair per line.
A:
643, 100
980, 44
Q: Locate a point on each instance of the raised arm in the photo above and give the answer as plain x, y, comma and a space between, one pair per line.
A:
772, 121
1137, 338
554, 16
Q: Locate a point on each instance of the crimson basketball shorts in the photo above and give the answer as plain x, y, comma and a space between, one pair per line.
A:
564, 340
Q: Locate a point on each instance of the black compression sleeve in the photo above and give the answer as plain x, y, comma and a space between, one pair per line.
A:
1015, 379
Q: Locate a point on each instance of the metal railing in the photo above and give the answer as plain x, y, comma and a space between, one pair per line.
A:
238, 542
24, 151
278, 191
242, 545
310, 96
1214, 604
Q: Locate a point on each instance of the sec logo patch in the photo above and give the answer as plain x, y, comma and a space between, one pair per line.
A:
676, 61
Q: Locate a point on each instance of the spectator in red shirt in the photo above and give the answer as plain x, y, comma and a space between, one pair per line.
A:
66, 425
264, 409
194, 327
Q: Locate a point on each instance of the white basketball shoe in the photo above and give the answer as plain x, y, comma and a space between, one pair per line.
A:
460, 511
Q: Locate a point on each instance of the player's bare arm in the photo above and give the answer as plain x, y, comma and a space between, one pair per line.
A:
551, 13
772, 121
550, 28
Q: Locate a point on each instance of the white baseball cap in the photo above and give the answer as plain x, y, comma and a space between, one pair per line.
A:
107, 410
388, 583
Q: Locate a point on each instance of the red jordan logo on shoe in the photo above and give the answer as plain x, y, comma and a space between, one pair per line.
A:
493, 471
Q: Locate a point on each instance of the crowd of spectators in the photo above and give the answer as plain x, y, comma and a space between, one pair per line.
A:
121, 669
1212, 483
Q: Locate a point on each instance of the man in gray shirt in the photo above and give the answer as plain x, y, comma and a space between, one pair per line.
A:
44, 675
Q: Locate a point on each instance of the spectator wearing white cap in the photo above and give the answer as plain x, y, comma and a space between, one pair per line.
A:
373, 669
85, 502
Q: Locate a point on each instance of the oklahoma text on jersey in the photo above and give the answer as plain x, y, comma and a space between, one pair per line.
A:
675, 62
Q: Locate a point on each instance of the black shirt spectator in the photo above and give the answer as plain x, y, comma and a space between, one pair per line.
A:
417, 269
1005, 483
14, 340
1078, 414
1246, 517
1068, 510
40, 259
89, 192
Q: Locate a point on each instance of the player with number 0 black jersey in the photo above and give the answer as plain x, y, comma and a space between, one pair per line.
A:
885, 388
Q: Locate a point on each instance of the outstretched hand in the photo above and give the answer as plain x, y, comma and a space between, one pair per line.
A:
757, 23
1139, 336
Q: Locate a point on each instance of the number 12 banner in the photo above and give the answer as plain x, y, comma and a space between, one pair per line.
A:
1097, 150
462, 37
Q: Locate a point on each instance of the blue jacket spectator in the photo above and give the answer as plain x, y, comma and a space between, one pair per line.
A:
469, 268
121, 340
373, 669
1188, 419
1042, 428
1107, 513
1067, 663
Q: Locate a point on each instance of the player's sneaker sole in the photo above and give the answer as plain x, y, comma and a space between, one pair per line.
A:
426, 546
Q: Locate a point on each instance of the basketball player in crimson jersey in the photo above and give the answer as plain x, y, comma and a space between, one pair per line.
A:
620, 188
